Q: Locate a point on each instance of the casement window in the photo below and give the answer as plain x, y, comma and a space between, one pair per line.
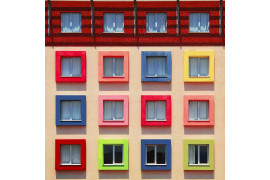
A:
113, 110
198, 22
70, 22
113, 22
71, 67
198, 110
156, 154
198, 67
198, 154
70, 110
156, 66
156, 111
113, 67
70, 154
156, 22
113, 154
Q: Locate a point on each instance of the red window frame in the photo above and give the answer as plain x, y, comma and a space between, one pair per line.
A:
166, 98
59, 55
58, 165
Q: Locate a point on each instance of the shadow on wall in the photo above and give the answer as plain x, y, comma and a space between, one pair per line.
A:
70, 174
198, 130
70, 129
156, 130
114, 86
71, 86
156, 86
113, 174
161, 174
199, 86
199, 175
114, 130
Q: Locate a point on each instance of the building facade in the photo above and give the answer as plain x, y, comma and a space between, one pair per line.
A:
135, 89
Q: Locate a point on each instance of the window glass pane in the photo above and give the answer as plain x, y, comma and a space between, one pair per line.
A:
119, 67
76, 22
161, 154
76, 154
193, 110
108, 154
119, 22
150, 154
76, 110
191, 154
65, 67
161, 110
161, 66
151, 19
109, 20
203, 110
108, 66
119, 109
203, 154
204, 22
65, 154
108, 110
118, 154
161, 22
204, 66
150, 63
65, 22
193, 67
65, 110
150, 110
76, 66
194, 22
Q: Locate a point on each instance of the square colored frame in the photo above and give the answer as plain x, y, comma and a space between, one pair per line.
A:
102, 142
70, 54
211, 117
145, 142
210, 54
58, 165
101, 55
101, 99
60, 98
166, 98
144, 78
210, 165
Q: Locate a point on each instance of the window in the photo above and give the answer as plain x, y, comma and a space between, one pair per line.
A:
156, 110
71, 22
113, 110
198, 22
198, 67
70, 154
113, 154
198, 110
156, 22
70, 66
155, 154
197, 154
113, 22
113, 67
156, 66
70, 110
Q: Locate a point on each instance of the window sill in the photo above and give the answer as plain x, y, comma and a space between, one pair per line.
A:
199, 76
70, 120
114, 32
70, 76
113, 164
156, 164
71, 32
113, 76
115, 120
198, 164
200, 32
199, 120
153, 120
156, 76
70, 164
156, 32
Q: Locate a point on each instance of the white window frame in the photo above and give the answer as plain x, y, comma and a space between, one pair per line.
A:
114, 155
199, 23
156, 67
198, 67
114, 119
156, 112
70, 66
201, 164
70, 110
147, 23
155, 155
70, 156
113, 67
198, 111
114, 23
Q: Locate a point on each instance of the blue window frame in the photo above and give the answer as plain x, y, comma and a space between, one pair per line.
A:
156, 66
67, 109
198, 22
160, 152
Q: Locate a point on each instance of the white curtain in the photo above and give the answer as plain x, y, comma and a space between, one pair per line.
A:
108, 110
65, 22
65, 110
204, 21
108, 66
193, 110
193, 66
191, 154
65, 67
150, 109
150, 63
65, 154
161, 22
109, 20
161, 66
76, 110
204, 64
118, 109
119, 67
119, 18
203, 110
70, 22
194, 22
161, 110
151, 19
76, 154
76, 66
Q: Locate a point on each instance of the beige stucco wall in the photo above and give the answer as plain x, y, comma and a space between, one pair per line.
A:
134, 132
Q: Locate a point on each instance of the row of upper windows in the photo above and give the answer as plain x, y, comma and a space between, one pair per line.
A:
113, 154
155, 110
114, 22
155, 66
